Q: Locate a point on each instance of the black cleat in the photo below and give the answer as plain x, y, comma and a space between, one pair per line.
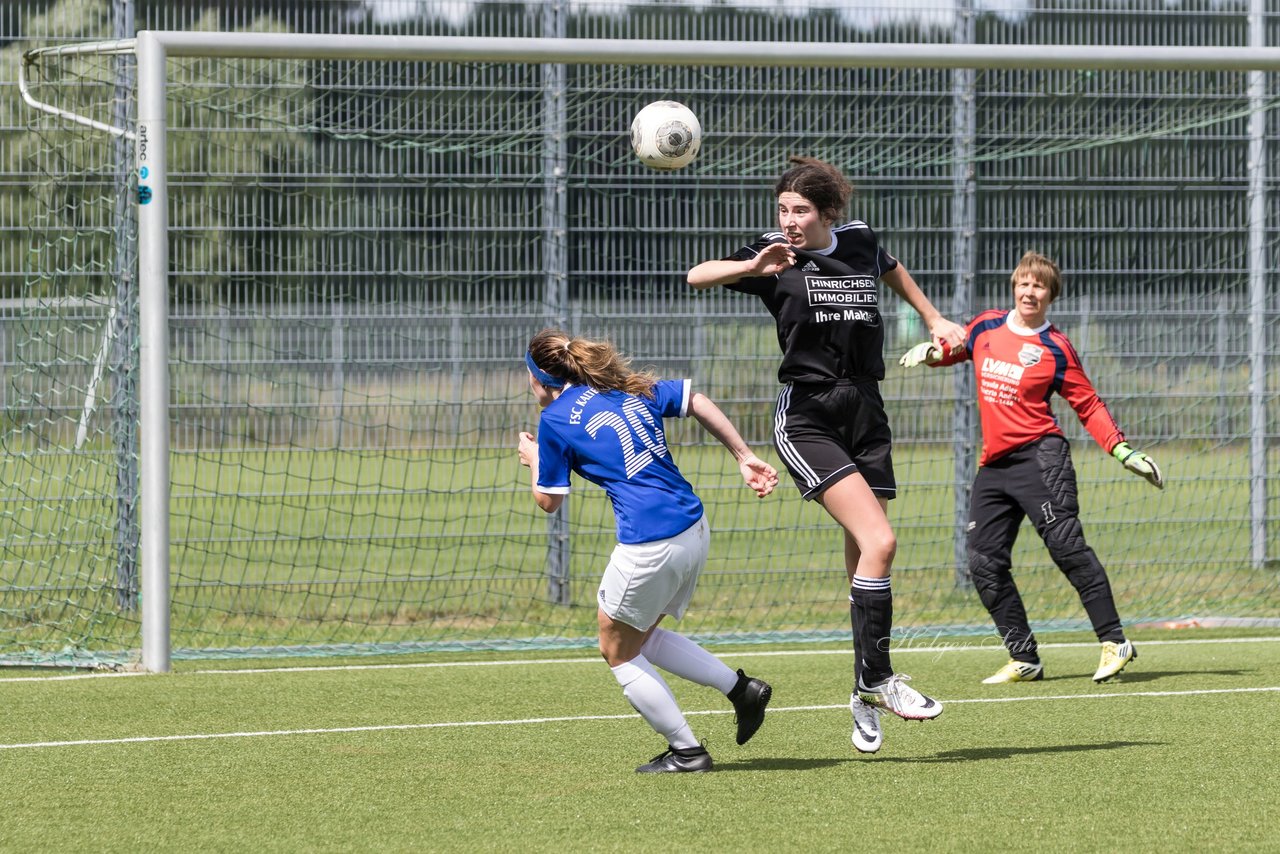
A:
749, 697
678, 761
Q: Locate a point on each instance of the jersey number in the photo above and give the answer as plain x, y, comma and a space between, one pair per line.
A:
638, 424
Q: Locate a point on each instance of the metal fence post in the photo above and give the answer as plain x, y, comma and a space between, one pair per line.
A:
555, 230
1257, 202
964, 228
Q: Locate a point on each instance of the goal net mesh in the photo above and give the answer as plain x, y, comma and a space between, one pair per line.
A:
360, 251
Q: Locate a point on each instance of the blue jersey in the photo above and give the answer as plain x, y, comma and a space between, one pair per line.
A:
616, 441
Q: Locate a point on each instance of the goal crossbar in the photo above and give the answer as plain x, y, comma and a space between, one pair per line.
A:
685, 52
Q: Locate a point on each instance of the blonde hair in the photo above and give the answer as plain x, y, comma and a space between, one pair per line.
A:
583, 361
1042, 269
819, 182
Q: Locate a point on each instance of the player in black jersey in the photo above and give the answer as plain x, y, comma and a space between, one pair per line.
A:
819, 281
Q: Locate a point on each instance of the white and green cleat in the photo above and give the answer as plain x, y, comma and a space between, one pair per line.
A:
1016, 671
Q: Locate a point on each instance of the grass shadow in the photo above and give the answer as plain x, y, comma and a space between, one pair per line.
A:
1142, 675
772, 763
1064, 677
983, 754
972, 754
1152, 675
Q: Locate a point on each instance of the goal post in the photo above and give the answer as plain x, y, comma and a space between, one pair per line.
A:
378, 80
151, 161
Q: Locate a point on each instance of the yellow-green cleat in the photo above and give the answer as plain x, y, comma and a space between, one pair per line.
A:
1115, 657
1016, 671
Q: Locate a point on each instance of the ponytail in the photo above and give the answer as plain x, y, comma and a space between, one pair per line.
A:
582, 361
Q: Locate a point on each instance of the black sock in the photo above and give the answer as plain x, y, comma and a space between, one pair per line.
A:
871, 615
1022, 646
1102, 614
743, 681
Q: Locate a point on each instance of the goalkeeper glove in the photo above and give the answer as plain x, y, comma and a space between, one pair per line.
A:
1139, 463
928, 353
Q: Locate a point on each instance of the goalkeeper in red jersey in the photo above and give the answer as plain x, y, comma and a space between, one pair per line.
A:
1021, 360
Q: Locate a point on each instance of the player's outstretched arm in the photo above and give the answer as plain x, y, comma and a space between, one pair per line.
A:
944, 331
770, 261
1139, 463
757, 474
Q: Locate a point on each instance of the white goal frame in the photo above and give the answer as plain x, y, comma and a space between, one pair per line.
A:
153, 48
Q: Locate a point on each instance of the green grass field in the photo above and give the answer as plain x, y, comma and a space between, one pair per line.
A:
505, 753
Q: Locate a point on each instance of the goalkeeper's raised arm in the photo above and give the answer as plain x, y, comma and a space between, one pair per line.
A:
1020, 361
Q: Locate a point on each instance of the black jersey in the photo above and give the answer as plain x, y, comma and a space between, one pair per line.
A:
827, 306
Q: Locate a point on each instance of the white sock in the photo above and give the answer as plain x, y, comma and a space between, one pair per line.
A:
677, 654
649, 695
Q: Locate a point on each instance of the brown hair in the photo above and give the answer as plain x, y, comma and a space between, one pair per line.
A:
820, 183
591, 363
1043, 269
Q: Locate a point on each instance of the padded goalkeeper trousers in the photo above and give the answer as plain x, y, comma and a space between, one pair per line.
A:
1036, 481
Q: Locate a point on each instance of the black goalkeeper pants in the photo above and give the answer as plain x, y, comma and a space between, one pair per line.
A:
1037, 481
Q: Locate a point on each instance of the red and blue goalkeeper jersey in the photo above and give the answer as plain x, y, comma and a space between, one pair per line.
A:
1017, 373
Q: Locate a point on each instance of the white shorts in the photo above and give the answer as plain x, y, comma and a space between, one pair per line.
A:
646, 580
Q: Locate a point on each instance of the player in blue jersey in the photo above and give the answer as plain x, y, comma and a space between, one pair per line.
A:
603, 421
819, 279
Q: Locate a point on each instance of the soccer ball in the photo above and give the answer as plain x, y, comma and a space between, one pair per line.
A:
666, 135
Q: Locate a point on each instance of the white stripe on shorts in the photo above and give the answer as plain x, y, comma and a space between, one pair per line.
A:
785, 448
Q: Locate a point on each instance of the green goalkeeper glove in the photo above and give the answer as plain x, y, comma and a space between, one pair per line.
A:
928, 353
1139, 463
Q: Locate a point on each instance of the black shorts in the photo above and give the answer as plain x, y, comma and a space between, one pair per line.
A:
824, 433
1036, 481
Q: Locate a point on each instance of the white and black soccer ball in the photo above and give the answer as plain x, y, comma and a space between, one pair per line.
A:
666, 135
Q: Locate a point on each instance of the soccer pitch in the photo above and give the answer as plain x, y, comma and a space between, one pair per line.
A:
494, 752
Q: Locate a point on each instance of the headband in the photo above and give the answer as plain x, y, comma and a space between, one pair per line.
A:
540, 375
